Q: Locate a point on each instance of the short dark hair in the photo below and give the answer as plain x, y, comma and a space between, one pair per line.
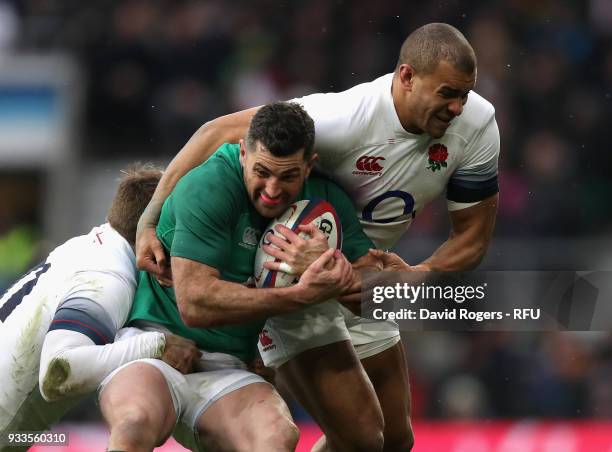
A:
136, 186
283, 128
426, 46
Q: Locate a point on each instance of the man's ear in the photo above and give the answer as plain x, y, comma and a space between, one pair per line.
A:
406, 76
242, 151
311, 163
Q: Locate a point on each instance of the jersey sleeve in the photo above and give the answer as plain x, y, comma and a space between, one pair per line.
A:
204, 206
476, 177
339, 122
108, 290
354, 241
95, 303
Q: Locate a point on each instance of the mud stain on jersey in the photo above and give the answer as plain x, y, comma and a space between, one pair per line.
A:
80, 282
26, 355
161, 347
55, 385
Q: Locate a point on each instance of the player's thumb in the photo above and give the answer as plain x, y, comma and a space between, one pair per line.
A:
385, 257
379, 254
323, 260
159, 253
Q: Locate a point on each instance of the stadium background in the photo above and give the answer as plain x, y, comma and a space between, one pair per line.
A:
86, 87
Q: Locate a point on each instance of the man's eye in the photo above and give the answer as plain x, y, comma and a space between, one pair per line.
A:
261, 174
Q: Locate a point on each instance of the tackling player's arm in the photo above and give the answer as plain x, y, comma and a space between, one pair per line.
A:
204, 300
78, 350
72, 364
471, 231
475, 183
150, 254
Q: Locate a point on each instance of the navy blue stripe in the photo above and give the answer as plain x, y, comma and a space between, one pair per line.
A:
83, 329
25, 290
81, 322
471, 191
313, 203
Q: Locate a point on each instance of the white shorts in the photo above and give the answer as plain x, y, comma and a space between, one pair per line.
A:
192, 394
285, 336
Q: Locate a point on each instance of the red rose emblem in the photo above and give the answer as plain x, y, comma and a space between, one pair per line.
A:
438, 153
264, 339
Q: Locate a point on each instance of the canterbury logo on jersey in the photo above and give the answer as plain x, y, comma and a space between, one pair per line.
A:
369, 166
250, 238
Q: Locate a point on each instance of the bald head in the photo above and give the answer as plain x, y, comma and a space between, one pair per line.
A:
432, 43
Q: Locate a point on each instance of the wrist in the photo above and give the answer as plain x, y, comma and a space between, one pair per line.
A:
151, 213
299, 294
422, 267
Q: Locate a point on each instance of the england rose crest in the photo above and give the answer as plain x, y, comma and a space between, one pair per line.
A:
437, 157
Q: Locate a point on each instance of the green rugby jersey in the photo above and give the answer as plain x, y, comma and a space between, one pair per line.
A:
209, 218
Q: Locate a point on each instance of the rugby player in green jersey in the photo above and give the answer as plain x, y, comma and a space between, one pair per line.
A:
210, 226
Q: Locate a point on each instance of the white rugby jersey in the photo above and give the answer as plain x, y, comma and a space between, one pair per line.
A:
98, 266
391, 174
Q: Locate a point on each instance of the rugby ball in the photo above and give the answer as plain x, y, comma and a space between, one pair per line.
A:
307, 211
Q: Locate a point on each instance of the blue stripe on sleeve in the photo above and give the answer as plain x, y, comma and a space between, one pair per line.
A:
460, 190
67, 318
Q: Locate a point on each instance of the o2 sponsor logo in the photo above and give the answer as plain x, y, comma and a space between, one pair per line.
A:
406, 198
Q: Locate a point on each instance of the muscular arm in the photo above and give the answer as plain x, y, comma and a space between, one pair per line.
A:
72, 365
204, 300
469, 239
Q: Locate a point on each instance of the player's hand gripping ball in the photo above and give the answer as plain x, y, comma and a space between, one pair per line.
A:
317, 211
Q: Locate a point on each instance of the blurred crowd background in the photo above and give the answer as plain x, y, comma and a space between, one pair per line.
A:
153, 71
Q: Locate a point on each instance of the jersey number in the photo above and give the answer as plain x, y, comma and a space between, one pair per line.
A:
25, 289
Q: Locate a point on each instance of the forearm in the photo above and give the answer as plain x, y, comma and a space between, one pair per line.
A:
459, 252
472, 229
224, 302
72, 365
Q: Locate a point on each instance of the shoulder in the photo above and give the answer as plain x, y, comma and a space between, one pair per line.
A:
109, 242
225, 161
477, 114
358, 97
346, 115
219, 176
213, 192
101, 250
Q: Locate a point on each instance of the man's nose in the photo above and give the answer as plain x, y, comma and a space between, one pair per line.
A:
456, 107
273, 188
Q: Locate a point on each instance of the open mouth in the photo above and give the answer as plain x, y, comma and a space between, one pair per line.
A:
270, 201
